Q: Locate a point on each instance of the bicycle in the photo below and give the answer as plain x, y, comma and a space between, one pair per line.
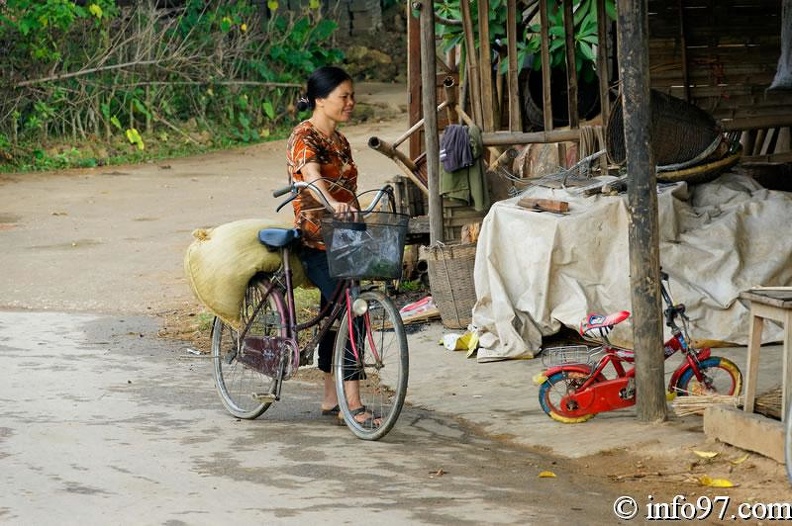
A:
577, 383
252, 362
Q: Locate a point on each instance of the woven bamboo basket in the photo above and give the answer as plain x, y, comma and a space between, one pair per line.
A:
681, 131
450, 269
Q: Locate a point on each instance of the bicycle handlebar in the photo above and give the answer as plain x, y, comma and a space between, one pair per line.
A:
296, 187
281, 191
672, 311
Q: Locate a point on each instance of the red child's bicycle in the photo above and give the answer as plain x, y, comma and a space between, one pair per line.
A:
577, 382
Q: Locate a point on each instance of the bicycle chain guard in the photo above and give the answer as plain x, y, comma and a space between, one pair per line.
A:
265, 354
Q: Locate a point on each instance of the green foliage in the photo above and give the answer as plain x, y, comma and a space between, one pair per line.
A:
585, 38
529, 39
411, 286
211, 73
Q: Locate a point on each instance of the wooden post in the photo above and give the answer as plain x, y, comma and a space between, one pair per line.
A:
602, 62
472, 74
414, 72
572, 81
547, 96
643, 232
488, 104
515, 117
683, 49
429, 99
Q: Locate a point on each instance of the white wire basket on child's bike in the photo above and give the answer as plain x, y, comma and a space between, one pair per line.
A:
568, 355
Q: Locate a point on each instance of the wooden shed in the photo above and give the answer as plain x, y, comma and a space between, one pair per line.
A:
721, 56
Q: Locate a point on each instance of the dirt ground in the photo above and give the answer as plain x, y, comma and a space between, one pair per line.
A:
47, 202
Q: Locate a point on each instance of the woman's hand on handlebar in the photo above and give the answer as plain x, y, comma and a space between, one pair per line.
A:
343, 210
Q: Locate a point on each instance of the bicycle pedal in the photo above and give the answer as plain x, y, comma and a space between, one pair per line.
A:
264, 397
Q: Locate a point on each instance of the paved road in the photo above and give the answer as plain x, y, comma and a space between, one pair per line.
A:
103, 423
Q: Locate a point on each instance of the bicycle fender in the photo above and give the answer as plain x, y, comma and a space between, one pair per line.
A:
542, 377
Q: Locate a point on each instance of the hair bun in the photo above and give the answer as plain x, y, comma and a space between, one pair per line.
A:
302, 104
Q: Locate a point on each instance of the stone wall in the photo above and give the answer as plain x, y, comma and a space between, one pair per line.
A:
354, 17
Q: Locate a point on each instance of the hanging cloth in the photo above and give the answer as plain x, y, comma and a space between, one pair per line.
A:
468, 183
455, 151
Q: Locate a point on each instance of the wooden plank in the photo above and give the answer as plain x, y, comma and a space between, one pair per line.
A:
751, 432
775, 296
544, 205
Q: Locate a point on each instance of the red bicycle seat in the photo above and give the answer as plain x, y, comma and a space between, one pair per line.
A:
599, 325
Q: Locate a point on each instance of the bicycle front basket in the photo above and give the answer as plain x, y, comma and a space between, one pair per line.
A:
369, 249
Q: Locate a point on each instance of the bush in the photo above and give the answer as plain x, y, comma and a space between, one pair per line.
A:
201, 75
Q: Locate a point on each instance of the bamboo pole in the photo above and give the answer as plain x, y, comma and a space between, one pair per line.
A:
473, 77
547, 104
417, 126
602, 61
683, 49
488, 103
571, 69
450, 99
512, 138
515, 115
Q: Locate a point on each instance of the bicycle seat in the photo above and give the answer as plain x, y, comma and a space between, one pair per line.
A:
278, 237
599, 325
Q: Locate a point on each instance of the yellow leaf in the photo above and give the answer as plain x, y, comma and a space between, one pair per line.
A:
547, 475
704, 480
539, 379
740, 460
95, 10
243, 28
706, 454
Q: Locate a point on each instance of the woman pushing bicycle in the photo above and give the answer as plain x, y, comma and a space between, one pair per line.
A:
319, 154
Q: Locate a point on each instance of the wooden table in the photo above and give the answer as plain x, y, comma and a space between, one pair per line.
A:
768, 304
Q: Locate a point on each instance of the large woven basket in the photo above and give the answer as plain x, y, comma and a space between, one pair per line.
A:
450, 269
681, 132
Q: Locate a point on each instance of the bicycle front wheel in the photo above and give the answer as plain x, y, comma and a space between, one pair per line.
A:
719, 375
245, 391
371, 348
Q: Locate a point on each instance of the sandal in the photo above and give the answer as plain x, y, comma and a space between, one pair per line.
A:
331, 412
370, 422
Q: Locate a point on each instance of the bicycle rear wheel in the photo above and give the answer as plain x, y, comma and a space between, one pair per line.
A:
554, 391
382, 365
244, 391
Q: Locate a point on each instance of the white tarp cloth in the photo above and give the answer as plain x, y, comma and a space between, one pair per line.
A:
536, 271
